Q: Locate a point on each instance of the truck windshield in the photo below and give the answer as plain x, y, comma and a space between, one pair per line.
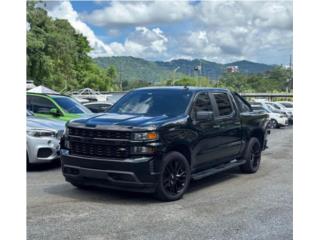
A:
70, 106
153, 103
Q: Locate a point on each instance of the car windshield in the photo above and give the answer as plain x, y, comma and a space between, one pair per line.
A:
153, 103
70, 105
287, 105
274, 105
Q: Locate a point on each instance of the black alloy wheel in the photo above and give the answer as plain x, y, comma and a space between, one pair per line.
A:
252, 156
255, 156
174, 177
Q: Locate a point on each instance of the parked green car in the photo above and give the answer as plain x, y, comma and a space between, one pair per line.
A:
55, 106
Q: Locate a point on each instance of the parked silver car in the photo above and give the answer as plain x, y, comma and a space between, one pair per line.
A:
43, 137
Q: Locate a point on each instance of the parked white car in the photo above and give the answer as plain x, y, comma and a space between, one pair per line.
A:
278, 106
277, 119
43, 137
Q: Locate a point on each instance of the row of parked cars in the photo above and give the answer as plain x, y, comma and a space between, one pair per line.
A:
280, 113
48, 113
152, 140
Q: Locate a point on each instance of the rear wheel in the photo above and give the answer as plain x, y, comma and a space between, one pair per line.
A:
252, 156
28, 165
174, 177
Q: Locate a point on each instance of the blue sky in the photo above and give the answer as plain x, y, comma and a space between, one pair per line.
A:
220, 31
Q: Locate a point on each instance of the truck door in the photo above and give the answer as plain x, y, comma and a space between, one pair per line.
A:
227, 126
206, 149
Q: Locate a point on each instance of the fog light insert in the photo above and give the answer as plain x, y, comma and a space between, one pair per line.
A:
44, 152
143, 150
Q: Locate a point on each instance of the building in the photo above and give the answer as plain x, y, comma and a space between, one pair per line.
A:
232, 69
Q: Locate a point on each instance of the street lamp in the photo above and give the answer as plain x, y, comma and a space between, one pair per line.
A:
174, 75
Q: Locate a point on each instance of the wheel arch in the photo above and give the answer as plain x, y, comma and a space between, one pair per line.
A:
182, 148
259, 134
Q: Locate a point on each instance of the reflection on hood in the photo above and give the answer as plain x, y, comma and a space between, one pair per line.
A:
37, 122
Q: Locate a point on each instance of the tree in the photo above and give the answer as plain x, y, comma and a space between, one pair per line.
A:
57, 55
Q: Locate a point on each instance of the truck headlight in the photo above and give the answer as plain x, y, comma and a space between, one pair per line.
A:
142, 136
41, 133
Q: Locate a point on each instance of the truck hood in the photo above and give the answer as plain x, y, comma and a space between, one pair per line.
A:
112, 120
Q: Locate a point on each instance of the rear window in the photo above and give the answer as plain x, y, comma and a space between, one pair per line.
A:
223, 104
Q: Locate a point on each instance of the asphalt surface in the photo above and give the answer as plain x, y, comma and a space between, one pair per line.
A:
229, 205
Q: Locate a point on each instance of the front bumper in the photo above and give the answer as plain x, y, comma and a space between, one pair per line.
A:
138, 174
283, 121
42, 150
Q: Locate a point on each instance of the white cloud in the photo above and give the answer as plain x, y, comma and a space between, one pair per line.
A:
64, 10
142, 42
216, 30
234, 30
140, 13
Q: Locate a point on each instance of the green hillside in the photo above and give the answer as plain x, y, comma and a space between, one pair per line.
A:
131, 69
138, 69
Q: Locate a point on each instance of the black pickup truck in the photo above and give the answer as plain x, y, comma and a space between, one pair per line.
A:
158, 139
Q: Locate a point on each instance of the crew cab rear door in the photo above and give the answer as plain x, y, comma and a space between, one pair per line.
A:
227, 124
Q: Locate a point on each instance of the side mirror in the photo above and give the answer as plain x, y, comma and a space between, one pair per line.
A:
55, 112
204, 115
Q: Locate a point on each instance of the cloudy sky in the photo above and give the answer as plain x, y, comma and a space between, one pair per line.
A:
221, 31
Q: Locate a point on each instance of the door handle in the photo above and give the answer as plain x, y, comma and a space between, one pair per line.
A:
216, 126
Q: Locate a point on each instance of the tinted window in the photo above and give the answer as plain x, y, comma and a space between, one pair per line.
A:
223, 104
153, 103
41, 105
242, 105
70, 105
202, 103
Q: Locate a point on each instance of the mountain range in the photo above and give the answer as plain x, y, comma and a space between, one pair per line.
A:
131, 68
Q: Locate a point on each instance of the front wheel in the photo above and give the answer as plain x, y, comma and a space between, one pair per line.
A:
252, 156
274, 123
174, 177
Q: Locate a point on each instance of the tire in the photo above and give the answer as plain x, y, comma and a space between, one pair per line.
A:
252, 156
174, 177
274, 124
28, 165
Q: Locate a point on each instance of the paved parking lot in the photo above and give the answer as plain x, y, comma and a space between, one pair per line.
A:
230, 205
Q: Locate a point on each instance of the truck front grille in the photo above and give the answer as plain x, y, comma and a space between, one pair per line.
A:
97, 133
98, 150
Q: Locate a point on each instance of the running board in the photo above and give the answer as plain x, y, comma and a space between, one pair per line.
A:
217, 169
